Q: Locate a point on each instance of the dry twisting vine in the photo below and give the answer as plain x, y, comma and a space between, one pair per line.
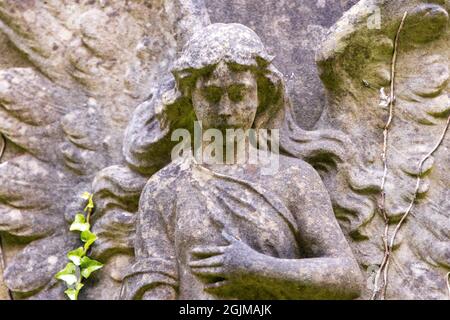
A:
382, 205
389, 244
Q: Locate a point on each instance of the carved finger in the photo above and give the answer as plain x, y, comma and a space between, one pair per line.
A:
215, 261
217, 285
207, 251
231, 239
209, 272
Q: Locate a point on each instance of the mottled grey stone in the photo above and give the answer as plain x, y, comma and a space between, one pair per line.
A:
216, 231
355, 64
4, 294
63, 112
90, 94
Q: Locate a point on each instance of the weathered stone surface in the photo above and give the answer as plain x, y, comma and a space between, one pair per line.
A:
4, 295
10, 56
355, 62
63, 114
292, 31
85, 107
206, 230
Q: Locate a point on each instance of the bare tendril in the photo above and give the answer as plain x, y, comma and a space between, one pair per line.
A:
415, 195
382, 204
380, 290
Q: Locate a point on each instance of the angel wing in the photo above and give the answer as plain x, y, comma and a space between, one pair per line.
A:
63, 120
409, 197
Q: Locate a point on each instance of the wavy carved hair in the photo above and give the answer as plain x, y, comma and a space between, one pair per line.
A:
147, 142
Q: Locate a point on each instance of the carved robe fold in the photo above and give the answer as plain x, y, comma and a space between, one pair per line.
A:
188, 205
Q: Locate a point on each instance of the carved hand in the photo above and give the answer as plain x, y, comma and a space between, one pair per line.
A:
223, 267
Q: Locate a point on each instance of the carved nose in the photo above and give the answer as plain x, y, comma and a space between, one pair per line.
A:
225, 106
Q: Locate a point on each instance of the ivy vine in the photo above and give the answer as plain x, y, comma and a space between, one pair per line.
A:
80, 265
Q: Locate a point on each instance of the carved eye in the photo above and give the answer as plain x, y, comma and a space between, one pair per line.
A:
212, 93
236, 92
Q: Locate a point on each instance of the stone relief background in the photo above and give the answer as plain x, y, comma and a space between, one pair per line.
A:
292, 32
355, 63
64, 111
71, 75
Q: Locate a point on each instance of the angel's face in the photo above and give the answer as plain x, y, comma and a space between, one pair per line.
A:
226, 99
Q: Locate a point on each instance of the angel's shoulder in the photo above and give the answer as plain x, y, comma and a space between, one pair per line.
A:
164, 182
290, 166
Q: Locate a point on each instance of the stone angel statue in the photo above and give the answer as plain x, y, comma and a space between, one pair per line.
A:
227, 230
402, 241
96, 91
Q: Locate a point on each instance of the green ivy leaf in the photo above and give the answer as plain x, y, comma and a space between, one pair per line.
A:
89, 238
79, 218
80, 224
89, 197
73, 292
68, 274
76, 255
86, 195
88, 266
